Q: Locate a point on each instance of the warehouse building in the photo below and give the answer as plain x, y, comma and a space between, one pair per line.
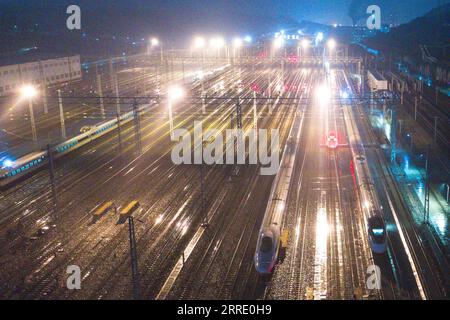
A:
40, 73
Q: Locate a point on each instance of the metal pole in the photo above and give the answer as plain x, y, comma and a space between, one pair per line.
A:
437, 93
435, 128
134, 262
137, 127
61, 116
402, 92
115, 83
44, 87
33, 124
171, 119
51, 171
119, 133
44, 98
415, 108
100, 95
182, 66
427, 189
203, 99
202, 191
255, 113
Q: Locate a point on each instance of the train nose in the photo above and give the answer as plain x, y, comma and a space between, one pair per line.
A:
263, 267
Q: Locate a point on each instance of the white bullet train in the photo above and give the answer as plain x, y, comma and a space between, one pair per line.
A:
376, 227
271, 234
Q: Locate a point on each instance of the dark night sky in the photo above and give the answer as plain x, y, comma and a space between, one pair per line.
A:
323, 11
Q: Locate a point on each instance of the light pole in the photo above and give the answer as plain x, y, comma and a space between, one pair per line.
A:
174, 93
435, 128
426, 213
255, 113
154, 43
29, 92
237, 44
134, 262
61, 115
100, 93
331, 44
202, 190
199, 44
304, 45
278, 44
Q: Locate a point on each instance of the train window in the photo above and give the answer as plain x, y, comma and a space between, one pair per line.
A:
378, 232
266, 244
377, 228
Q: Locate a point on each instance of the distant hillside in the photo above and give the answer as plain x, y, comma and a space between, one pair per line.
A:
432, 29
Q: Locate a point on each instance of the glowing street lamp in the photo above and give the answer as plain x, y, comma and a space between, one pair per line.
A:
323, 94
278, 43
154, 42
174, 93
305, 44
219, 43
29, 92
237, 44
331, 44
199, 43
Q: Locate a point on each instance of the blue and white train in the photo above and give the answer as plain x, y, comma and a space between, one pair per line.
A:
15, 170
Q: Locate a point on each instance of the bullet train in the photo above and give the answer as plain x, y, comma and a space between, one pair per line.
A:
377, 232
12, 171
271, 232
376, 227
